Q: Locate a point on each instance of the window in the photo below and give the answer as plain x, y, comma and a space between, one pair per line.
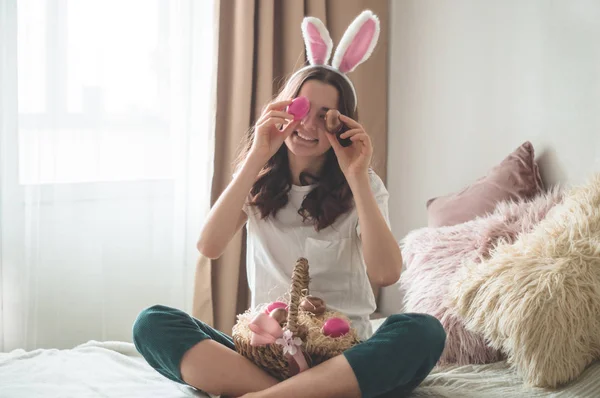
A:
94, 90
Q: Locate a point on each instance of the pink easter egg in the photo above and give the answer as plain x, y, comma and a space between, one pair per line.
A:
336, 327
299, 107
275, 305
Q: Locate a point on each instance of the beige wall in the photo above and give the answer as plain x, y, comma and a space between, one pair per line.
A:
471, 80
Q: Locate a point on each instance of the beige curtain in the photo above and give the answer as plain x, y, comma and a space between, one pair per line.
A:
259, 43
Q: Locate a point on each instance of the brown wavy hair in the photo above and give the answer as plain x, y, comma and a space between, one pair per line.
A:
331, 196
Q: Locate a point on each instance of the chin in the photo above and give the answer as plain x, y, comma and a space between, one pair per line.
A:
303, 152
306, 152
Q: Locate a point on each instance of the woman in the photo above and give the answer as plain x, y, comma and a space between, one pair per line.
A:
302, 194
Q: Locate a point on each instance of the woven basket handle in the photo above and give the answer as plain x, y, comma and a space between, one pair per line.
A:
300, 280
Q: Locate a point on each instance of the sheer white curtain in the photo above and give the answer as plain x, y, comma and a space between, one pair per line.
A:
106, 137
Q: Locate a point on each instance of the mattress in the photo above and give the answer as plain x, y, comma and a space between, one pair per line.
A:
115, 369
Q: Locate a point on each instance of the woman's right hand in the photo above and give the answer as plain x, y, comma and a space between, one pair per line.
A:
268, 137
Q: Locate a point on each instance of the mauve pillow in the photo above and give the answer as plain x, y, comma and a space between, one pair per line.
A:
516, 177
433, 257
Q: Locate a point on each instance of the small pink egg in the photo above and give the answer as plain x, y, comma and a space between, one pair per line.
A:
299, 107
275, 305
336, 327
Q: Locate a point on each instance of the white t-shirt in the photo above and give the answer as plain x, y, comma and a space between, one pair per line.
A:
336, 265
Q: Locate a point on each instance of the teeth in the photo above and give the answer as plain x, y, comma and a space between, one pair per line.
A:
305, 137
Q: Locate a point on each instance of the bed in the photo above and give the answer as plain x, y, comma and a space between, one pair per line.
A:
115, 369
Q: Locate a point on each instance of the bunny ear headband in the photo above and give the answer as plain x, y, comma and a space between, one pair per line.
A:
354, 48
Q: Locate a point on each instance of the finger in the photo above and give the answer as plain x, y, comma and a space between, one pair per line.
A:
289, 129
334, 142
364, 139
350, 133
279, 105
350, 122
282, 114
270, 114
274, 121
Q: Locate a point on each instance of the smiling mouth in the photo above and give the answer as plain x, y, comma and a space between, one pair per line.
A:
305, 138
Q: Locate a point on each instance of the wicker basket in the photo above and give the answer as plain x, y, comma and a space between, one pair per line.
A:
316, 346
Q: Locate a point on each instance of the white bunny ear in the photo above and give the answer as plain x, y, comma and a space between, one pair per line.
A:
358, 42
317, 41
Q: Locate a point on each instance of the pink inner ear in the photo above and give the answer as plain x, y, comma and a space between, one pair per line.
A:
317, 45
359, 46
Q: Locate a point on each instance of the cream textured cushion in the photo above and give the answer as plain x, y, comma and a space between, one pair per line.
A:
538, 299
433, 256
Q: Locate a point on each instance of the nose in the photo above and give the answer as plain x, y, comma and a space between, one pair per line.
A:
310, 121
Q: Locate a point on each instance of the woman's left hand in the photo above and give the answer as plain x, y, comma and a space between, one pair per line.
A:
355, 159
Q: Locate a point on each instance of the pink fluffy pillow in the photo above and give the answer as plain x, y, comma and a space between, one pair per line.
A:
516, 177
433, 256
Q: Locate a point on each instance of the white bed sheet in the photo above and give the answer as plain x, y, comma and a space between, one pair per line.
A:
94, 369
115, 369
497, 380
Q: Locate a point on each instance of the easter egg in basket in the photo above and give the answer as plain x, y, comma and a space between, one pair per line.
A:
285, 338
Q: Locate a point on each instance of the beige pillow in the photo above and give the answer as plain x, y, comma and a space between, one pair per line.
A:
538, 299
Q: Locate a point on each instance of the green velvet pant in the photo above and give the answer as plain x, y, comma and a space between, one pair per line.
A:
395, 360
